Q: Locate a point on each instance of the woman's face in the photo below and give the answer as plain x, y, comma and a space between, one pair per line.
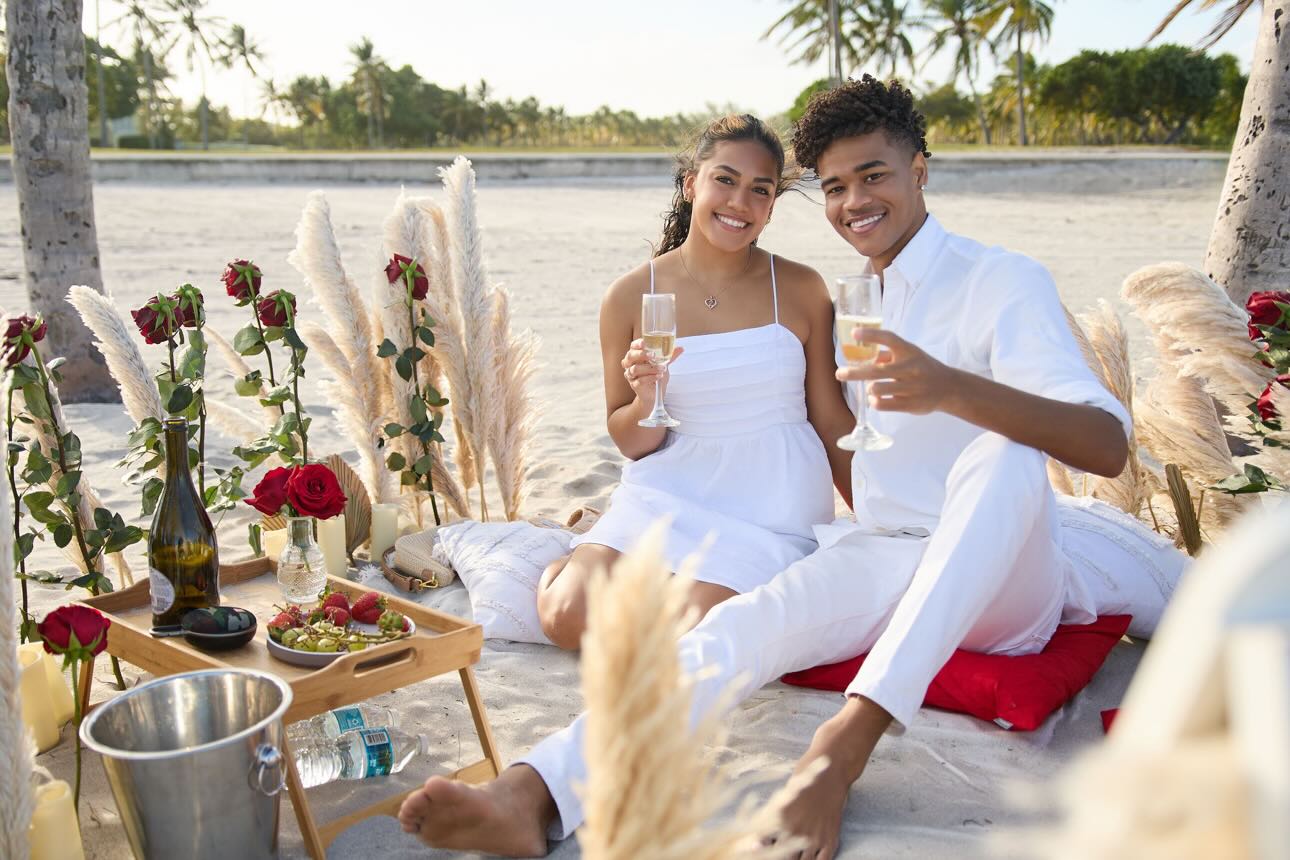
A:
872, 193
733, 192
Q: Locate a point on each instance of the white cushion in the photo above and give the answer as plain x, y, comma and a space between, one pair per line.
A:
500, 564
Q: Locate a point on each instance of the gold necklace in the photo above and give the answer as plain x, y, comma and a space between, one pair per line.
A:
711, 301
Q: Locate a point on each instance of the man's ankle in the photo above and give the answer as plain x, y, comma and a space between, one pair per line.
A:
849, 737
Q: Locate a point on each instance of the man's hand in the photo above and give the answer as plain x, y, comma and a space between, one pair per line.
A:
904, 379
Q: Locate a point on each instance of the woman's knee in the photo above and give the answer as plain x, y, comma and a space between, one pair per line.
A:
563, 616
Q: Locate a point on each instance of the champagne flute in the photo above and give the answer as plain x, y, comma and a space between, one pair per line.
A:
860, 306
658, 332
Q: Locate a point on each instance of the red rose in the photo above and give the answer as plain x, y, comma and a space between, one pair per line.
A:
242, 280
89, 626
1263, 310
399, 266
15, 350
189, 306
153, 322
1268, 410
314, 491
273, 308
270, 494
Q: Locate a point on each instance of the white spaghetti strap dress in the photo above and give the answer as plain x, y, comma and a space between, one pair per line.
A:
744, 476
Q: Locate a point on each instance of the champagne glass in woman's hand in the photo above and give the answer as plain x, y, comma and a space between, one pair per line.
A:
658, 336
860, 306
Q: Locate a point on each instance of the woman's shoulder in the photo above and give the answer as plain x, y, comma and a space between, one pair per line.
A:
625, 290
800, 279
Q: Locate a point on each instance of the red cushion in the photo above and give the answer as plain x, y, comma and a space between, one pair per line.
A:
1015, 692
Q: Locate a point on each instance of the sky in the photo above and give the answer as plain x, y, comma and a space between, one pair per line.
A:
655, 57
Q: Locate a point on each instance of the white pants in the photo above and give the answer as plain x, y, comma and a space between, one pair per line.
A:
992, 578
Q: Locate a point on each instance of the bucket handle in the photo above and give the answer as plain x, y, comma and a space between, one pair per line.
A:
267, 768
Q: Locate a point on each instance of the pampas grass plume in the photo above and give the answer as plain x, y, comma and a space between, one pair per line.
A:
124, 361
650, 790
350, 354
511, 441
1109, 343
17, 751
475, 302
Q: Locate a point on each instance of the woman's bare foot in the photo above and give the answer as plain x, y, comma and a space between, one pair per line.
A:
508, 816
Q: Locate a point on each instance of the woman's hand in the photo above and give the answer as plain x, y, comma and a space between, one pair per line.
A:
641, 373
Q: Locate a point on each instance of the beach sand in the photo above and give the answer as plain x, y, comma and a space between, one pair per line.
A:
937, 791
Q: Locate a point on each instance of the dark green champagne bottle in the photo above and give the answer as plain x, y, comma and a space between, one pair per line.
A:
183, 557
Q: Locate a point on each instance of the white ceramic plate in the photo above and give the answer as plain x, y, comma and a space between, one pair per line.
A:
315, 659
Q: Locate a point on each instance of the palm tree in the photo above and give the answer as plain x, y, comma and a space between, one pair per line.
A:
1247, 248
192, 29
961, 22
367, 74
883, 30
1016, 20
144, 21
805, 28
49, 121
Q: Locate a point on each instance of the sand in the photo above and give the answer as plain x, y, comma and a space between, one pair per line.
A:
938, 791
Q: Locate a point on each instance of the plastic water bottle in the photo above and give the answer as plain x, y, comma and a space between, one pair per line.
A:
358, 754
337, 722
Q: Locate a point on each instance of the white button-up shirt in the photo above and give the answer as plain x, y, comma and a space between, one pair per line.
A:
984, 310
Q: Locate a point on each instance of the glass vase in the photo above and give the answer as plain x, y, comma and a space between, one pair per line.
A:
302, 572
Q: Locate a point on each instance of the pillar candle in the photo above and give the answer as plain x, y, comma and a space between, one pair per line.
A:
385, 528
37, 703
273, 542
60, 694
331, 539
54, 833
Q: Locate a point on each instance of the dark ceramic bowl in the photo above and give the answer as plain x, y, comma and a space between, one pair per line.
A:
218, 628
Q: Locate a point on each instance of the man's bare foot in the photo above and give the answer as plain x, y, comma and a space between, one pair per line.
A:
508, 816
846, 740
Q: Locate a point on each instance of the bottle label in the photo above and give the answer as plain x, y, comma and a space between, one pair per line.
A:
163, 591
348, 719
380, 752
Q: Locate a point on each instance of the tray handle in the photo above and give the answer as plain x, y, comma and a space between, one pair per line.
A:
381, 662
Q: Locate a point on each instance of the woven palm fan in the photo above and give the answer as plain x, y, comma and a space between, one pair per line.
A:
358, 508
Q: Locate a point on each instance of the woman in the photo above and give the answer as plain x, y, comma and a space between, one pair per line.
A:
745, 474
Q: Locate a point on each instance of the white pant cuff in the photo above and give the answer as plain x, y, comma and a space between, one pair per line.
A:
902, 712
568, 807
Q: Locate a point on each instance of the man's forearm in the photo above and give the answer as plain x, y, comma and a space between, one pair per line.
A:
1081, 436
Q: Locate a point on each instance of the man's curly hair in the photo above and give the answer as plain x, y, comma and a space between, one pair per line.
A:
856, 108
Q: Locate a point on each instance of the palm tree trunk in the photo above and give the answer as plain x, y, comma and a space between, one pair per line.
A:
151, 87
1249, 248
1021, 92
203, 108
100, 79
980, 112
49, 128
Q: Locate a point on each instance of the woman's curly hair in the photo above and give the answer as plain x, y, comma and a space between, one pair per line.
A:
856, 108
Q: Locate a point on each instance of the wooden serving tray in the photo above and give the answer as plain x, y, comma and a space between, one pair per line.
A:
442, 643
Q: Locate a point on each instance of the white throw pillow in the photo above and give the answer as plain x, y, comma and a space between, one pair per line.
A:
500, 564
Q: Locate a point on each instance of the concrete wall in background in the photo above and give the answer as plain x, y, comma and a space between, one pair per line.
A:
1059, 170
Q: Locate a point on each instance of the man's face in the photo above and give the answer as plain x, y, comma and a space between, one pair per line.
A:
872, 193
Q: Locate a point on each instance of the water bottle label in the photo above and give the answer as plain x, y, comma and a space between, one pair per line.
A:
380, 752
163, 591
349, 718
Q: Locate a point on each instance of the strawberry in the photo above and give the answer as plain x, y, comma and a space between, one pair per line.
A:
317, 614
336, 599
392, 621
368, 608
337, 615
281, 623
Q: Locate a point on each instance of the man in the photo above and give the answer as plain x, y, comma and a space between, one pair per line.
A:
957, 543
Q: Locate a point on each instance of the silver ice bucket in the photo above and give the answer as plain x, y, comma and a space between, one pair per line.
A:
195, 764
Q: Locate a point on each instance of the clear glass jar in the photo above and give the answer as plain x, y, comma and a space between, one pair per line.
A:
302, 572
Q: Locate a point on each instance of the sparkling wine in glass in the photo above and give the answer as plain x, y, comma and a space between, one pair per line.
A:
658, 332
860, 306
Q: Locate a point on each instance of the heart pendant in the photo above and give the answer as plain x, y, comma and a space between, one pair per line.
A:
711, 302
